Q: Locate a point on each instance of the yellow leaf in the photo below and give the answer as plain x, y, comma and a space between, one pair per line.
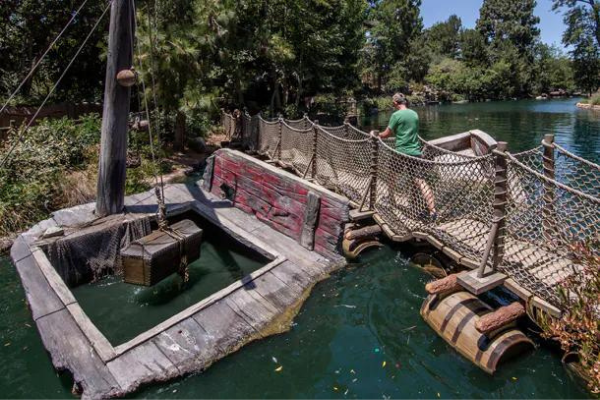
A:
439, 395
514, 378
279, 369
383, 364
336, 388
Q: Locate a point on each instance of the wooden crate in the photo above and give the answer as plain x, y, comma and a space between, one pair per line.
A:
151, 259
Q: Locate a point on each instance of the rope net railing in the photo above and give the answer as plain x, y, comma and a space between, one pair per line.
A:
548, 225
450, 197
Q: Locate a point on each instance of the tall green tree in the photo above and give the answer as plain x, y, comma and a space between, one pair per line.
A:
395, 26
583, 36
443, 38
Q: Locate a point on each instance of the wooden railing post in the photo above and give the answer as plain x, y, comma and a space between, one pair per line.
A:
495, 240
373, 171
313, 172
278, 149
500, 200
548, 220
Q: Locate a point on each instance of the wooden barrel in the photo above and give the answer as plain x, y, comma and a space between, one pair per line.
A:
453, 317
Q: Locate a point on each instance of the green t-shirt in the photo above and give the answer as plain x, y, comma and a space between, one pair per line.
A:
405, 125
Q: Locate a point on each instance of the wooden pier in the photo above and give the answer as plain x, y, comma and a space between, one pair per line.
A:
259, 305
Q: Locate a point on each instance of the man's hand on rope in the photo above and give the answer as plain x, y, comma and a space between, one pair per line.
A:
374, 133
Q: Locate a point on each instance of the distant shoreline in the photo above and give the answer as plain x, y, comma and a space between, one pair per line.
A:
588, 106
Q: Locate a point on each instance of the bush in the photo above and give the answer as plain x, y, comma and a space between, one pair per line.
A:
56, 166
595, 100
578, 331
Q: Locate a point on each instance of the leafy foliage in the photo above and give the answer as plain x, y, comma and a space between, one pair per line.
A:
579, 330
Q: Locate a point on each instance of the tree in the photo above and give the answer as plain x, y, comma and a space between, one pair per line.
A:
29, 26
578, 8
473, 49
583, 35
395, 25
443, 38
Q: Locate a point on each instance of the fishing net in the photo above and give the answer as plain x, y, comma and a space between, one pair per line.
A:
91, 252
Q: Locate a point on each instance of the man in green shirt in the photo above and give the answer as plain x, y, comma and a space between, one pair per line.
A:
404, 125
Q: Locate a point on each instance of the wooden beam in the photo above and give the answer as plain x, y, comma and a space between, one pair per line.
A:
113, 143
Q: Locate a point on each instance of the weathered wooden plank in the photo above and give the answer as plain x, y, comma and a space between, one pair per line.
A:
276, 291
52, 276
292, 274
102, 346
42, 299
311, 214
69, 349
141, 365
229, 330
255, 310
75, 215
20, 249
188, 346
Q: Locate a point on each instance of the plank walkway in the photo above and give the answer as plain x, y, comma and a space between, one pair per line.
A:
262, 304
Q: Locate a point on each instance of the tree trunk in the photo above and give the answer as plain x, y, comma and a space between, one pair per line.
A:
113, 143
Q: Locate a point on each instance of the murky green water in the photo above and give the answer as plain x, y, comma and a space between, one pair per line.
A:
129, 310
363, 316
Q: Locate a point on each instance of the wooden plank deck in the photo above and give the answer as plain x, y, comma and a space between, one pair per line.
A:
262, 304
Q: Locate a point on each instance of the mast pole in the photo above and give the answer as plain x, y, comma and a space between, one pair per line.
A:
113, 143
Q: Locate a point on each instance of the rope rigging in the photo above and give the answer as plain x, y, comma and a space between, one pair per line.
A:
51, 92
159, 188
37, 64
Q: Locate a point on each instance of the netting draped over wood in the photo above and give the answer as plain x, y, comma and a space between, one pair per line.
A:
548, 197
91, 252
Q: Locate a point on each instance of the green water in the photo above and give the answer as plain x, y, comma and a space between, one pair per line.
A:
128, 310
356, 320
522, 123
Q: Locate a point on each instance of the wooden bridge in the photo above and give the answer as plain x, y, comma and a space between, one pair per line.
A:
522, 220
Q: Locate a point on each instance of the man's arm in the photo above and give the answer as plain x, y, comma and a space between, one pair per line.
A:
387, 133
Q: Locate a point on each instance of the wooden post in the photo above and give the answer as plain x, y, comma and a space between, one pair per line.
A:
548, 220
113, 143
500, 199
373, 172
278, 149
314, 150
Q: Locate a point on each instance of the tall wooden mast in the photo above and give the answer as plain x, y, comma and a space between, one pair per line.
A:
113, 144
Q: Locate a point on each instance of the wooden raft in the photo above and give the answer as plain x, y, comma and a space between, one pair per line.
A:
151, 259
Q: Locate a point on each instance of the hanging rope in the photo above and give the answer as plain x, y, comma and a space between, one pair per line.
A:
159, 188
37, 64
32, 120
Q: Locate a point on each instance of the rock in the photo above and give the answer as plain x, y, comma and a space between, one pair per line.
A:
197, 144
5, 244
53, 232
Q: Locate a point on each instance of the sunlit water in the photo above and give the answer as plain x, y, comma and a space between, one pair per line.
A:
360, 333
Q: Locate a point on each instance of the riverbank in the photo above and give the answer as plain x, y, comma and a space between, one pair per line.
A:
587, 106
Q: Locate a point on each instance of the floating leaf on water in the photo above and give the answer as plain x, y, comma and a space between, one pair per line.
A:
354, 380
383, 364
279, 369
274, 360
353, 372
6, 344
439, 395
514, 378
336, 388
346, 392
